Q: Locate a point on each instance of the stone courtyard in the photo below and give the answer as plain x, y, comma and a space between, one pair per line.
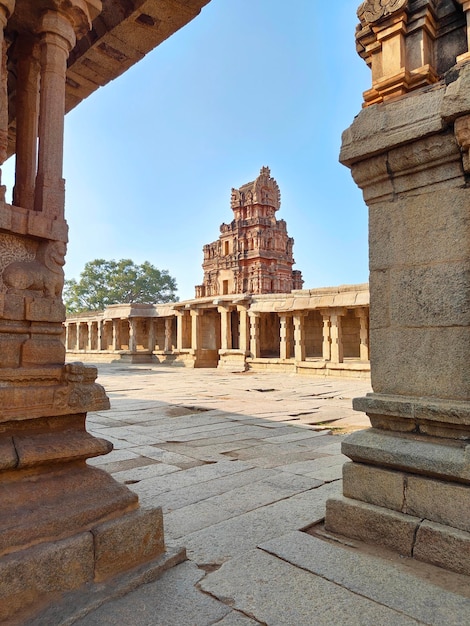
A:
242, 465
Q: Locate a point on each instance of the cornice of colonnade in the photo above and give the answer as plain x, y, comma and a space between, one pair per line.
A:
340, 297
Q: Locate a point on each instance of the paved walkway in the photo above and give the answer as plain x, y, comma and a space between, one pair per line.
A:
242, 465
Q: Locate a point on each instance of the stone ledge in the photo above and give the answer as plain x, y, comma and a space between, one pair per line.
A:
417, 454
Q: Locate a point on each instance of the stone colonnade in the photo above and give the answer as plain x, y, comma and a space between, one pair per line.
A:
322, 331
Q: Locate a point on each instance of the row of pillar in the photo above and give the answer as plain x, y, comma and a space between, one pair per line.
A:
108, 335
96, 335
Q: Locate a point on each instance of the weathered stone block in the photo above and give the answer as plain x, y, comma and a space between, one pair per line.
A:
44, 309
439, 501
32, 575
13, 307
371, 524
33, 507
128, 541
10, 349
43, 351
442, 228
428, 362
374, 485
443, 546
379, 128
433, 295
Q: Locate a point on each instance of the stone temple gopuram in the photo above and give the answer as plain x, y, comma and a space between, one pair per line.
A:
63, 524
254, 252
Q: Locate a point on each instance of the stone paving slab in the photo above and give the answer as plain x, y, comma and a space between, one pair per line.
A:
376, 579
223, 508
279, 594
172, 600
225, 540
178, 498
232, 503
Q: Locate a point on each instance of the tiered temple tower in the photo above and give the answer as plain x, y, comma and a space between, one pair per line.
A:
254, 252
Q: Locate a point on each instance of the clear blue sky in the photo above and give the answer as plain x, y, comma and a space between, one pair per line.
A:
150, 159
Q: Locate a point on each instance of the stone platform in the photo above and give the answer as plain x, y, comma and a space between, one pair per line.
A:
242, 465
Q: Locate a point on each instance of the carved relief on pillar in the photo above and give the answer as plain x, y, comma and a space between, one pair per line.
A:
31, 279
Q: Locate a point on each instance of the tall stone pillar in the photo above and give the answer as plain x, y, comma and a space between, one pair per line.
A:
27, 120
336, 336
101, 336
195, 330
408, 485
179, 330
89, 344
285, 336
363, 334
225, 327
255, 339
244, 328
57, 513
6, 9
57, 38
299, 337
326, 344
132, 334
168, 334
116, 334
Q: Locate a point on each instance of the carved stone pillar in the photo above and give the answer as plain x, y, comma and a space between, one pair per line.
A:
255, 339
89, 345
57, 38
299, 336
57, 513
326, 345
285, 336
116, 335
195, 330
132, 334
168, 347
244, 328
6, 9
336, 336
408, 485
27, 120
179, 330
363, 316
101, 336
225, 327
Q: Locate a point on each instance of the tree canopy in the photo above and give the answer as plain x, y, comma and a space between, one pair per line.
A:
102, 283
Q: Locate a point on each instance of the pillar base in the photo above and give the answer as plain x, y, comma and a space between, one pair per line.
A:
232, 361
63, 523
409, 492
88, 567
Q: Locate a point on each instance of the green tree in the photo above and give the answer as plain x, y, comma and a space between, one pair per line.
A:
102, 283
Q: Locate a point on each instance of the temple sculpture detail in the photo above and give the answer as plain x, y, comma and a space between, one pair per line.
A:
254, 252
